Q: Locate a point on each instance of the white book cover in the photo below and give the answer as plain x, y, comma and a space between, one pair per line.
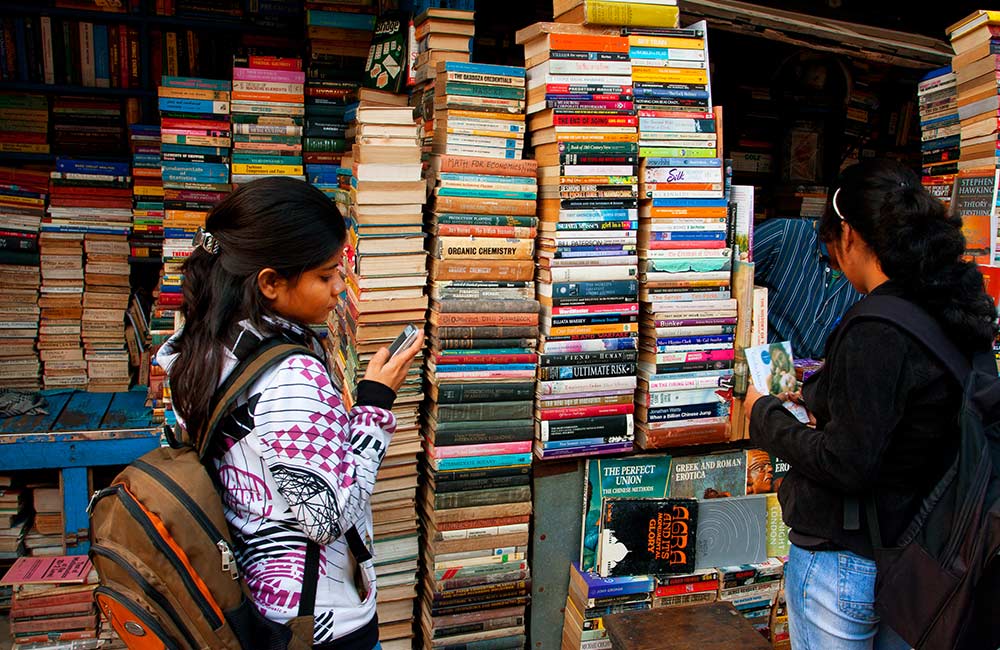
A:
773, 373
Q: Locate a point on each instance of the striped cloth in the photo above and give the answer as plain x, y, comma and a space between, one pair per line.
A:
805, 297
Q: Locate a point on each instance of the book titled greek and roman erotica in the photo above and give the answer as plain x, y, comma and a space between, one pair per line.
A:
773, 372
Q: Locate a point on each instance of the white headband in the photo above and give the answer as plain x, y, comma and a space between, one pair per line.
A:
835, 208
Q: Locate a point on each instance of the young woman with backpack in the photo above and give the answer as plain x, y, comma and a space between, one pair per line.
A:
292, 464
885, 408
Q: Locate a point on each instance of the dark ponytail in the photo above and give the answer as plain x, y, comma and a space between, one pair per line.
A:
918, 244
275, 222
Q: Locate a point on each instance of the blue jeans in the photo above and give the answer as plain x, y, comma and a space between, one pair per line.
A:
831, 603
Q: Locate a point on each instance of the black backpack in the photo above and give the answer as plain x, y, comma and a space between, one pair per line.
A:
938, 587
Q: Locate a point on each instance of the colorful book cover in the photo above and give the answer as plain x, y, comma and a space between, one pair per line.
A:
764, 472
647, 536
639, 476
772, 370
48, 570
709, 476
974, 200
386, 65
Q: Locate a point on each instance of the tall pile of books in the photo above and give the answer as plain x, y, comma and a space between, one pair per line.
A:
976, 42
385, 269
591, 598
105, 300
22, 205
940, 131
24, 123
268, 108
478, 423
53, 602
688, 313
195, 153
146, 240
61, 310
582, 120
87, 127
443, 34
338, 46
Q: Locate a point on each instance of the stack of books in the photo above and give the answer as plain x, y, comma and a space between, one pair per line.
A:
442, 35
484, 319
940, 131
53, 602
688, 313
753, 590
338, 46
23, 194
105, 300
90, 196
583, 128
61, 303
975, 41
592, 597
88, 127
24, 123
385, 270
46, 535
268, 109
702, 586
13, 520
146, 240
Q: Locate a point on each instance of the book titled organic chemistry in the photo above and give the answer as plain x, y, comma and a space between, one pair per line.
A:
772, 370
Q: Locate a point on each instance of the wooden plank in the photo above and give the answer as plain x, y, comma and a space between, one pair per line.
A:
84, 411
127, 411
712, 626
66, 450
26, 423
74, 484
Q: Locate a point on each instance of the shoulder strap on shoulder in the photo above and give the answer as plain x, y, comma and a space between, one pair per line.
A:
249, 369
918, 323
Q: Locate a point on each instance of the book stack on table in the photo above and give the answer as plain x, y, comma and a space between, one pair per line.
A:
478, 424
23, 194
268, 108
146, 239
582, 120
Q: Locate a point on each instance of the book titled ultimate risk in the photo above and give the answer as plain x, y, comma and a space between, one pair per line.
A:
647, 536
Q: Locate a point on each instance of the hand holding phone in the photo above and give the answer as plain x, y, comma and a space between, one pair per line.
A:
390, 364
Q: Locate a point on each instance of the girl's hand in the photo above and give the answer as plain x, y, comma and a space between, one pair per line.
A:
392, 372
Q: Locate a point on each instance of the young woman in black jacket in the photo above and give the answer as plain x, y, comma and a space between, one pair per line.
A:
885, 409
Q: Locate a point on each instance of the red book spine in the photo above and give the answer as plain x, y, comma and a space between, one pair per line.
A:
572, 412
444, 359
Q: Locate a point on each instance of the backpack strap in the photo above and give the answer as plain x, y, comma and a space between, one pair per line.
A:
310, 580
248, 370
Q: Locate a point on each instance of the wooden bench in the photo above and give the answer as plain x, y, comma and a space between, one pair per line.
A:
711, 626
80, 431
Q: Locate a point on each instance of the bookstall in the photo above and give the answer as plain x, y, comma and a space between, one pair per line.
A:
562, 193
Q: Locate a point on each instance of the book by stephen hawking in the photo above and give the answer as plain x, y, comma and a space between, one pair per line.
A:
647, 536
772, 370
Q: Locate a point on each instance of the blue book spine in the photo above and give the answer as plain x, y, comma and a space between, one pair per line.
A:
690, 203
484, 367
313, 168
97, 230
690, 235
471, 462
462, 353
323, 179
196, 82
682, 93
193, 105
602, 215
21, 48
689, 412
102, 61
595, 289
340, 19
598, 587
941, 143
582, 442
484, 68
485, 194
936, 73
683, 162
70, 166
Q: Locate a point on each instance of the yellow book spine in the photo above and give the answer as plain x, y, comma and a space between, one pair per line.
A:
631, 14
23, 147
293, 170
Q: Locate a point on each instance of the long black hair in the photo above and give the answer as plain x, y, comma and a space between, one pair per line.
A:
918, 244
275, 222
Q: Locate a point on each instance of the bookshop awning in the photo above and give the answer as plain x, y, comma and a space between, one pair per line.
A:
852, 39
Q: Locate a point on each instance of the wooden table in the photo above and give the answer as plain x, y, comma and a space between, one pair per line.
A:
711, 626
80, 431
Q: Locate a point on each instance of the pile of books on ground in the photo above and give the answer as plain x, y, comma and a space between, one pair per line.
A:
385, 269
13, 520
338, 46
195, 154
753, 590
23, 195
478, 424
105, 300
268, 108
688, 313
53, 602
88, 127
940, 131
583, 121
976, 42
24, 123
146, 240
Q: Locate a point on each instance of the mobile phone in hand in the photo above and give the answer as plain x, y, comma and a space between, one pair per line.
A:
404, 340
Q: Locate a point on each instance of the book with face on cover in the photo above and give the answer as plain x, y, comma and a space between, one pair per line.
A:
772, 370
